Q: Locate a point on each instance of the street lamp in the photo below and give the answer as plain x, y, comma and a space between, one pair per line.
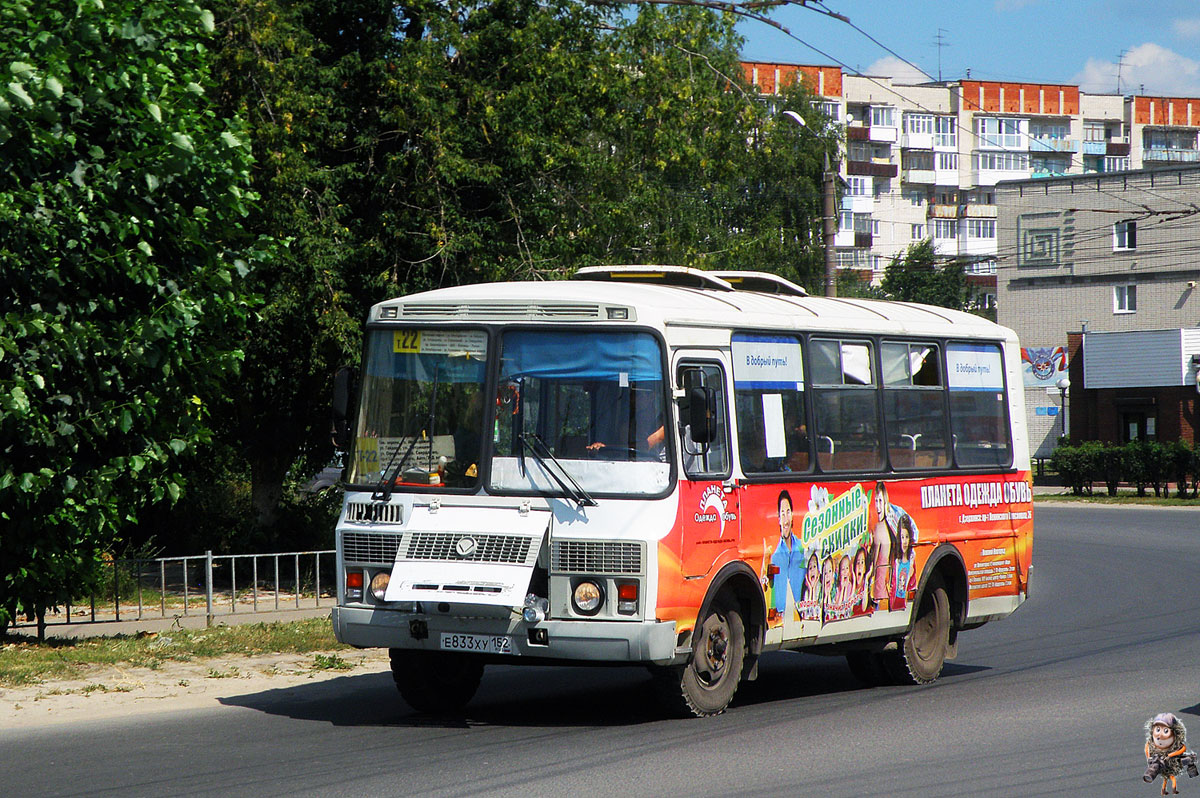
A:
1063, 384
828, 213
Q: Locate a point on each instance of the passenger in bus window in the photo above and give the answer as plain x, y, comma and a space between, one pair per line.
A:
788, 560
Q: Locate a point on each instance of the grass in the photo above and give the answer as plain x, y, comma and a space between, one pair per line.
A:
1100, 496
24, 663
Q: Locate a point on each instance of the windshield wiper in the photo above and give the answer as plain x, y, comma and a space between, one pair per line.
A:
383, 491
574, 490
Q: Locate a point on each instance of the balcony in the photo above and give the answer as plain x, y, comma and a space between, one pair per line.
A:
917, 141
942, 211
858, 203
1095, 147
1053, 145
862, 240
977, 211
858, 133
1119, 149
1171, 155
889, 135
871, 169
920, 176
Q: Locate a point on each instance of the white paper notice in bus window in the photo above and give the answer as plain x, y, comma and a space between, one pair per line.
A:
772, 404
974, 367
764, 361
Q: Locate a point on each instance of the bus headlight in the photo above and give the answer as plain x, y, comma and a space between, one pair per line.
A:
587, 598
379, 585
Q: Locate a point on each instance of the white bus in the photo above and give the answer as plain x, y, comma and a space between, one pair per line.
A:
681, 469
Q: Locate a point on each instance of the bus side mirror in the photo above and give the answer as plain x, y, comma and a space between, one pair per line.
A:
344, 380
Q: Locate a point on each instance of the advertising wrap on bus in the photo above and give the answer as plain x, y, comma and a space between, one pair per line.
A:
831, 552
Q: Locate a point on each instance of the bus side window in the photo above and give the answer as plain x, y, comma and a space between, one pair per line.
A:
711, 458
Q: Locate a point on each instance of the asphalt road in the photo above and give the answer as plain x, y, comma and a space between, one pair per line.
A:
1049, 701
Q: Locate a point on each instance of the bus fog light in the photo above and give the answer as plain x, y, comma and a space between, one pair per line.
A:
587, 598
536, 608
379, 585
354, 586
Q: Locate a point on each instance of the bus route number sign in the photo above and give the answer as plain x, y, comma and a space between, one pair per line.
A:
406, 341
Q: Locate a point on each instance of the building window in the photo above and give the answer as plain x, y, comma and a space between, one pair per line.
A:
981, 228
859, 186
1048, 130
918, 123
947, 161
831, 110
1094, 131
1050, 164
945, 229
994, 132
1124, 298
846, 221
858, 151
883, 116
1001, 161
945, 131
915, 197
987, 266
918, 232
1124, 235
863, 223
1114, 163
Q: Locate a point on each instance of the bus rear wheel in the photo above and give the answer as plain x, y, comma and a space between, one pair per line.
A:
706, 684
436, 682
923, 651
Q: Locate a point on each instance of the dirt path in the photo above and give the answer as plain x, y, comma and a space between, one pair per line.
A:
104, 692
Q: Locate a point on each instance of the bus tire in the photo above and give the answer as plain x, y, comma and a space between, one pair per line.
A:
706, 684
436, 682
923, 650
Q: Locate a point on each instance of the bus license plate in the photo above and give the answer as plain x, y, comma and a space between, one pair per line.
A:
482, 644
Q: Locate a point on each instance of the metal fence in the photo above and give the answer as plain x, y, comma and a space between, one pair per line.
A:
210, 584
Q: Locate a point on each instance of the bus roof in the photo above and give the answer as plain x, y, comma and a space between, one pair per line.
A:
598, 296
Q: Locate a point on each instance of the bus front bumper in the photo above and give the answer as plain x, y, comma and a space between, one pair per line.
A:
596, 641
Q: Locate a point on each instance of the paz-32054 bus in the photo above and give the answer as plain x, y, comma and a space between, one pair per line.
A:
681, 469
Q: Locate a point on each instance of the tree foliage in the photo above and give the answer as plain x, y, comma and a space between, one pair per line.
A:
917, 276
121, 199
407, 146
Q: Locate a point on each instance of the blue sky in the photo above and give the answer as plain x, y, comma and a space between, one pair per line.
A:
1048, 41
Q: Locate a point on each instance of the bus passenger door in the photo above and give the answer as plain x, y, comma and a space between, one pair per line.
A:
709, 513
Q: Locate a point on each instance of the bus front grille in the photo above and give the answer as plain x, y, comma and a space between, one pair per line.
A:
511, 549
370, 548
595, 557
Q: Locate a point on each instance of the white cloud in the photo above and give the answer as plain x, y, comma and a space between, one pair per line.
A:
898, 71
1186, 28
1161, 71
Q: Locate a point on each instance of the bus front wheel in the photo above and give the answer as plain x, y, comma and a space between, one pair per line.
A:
436, 682
923, 650
706, 684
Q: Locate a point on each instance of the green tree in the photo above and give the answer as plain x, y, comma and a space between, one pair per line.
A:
406, 146
917, 276
121, 200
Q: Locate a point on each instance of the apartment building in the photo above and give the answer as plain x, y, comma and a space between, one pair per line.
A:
922, 161
1098, 276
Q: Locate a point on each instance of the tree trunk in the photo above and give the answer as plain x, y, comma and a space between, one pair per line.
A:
267, 472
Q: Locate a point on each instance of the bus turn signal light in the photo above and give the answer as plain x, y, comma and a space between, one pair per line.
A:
627, 596
354, 586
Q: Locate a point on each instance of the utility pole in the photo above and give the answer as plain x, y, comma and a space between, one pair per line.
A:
828, 212
829, 218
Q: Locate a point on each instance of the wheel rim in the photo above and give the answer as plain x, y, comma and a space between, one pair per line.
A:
712, 657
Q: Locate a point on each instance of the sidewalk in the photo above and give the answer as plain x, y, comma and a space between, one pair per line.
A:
193, 620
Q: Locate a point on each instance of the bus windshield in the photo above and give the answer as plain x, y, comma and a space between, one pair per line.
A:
422, 408
595, 401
